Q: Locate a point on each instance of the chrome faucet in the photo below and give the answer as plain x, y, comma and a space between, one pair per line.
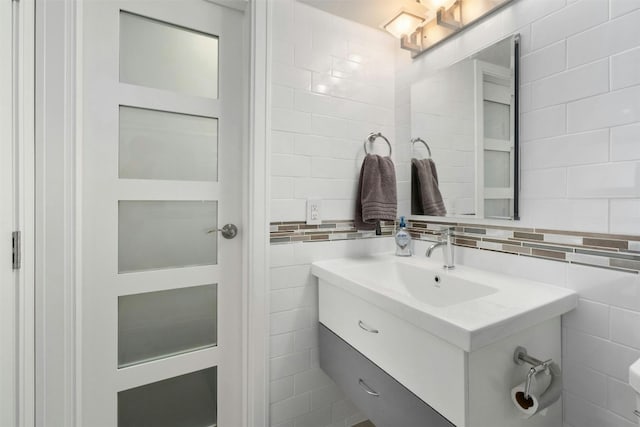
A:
447, 248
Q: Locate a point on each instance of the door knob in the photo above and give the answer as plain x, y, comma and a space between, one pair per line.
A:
228, 231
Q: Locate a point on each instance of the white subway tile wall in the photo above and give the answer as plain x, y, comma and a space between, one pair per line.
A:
577, 83
624, 142
544, 62
600, 338
567, 150
580, 106
335, 81
625, 69
573, 19
609, 110
616, 35
301, 394
580, 142
332, 85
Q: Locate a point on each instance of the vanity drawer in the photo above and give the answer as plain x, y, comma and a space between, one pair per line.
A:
431, 368
385, 401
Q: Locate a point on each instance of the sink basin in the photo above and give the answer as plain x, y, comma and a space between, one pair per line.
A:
467, 307
422, 283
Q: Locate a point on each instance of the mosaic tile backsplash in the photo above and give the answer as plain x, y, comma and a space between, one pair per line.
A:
612, 251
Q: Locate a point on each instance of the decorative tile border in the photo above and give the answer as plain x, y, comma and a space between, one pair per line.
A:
611, 251
299, 231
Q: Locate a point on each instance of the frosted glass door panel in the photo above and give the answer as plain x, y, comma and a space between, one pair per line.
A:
497, 208
164, 323
497, 169
166, 234
186, 401
497, 120
161, 145
164, 56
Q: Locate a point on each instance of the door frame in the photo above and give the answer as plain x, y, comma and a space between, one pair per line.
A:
58, 152
17, 156
258, 215
484, 69
8, 325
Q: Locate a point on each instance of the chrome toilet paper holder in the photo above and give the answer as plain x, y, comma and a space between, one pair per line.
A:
520, 357
524, 396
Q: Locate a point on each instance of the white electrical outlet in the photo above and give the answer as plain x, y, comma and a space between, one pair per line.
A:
314, 211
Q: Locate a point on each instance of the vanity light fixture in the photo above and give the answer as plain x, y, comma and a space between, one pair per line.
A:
450, 17
403, 23
441, 19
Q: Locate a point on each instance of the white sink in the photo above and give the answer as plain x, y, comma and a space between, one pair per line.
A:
420, 282
467, 307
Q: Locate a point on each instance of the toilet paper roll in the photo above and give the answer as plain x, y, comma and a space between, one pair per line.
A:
529, 407
545, 390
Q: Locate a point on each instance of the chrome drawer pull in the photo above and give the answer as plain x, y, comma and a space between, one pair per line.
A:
368, 389
366, 328
636, 413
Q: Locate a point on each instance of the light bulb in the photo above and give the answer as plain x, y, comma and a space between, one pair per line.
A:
433, 4
404, 23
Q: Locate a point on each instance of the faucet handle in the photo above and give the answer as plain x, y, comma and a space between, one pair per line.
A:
446, 231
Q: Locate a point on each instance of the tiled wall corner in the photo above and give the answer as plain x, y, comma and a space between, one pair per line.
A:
332, 84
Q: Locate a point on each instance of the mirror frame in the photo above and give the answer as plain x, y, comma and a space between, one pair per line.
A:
516, 124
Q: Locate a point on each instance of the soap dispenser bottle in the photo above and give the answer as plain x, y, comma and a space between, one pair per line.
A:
403, 239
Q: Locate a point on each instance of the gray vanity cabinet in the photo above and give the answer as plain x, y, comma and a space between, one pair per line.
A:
385, 401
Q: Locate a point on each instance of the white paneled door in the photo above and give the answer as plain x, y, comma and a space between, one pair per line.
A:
161, 292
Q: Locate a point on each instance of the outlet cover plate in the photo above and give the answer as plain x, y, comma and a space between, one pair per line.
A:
314, 211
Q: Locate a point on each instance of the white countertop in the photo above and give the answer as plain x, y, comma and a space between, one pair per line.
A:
515, 305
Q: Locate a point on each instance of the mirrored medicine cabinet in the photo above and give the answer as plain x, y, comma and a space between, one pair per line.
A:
467, 116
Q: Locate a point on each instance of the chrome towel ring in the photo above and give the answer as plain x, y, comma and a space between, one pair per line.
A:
414, 140
371, 139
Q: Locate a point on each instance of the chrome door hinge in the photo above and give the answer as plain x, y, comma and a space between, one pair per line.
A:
17, 249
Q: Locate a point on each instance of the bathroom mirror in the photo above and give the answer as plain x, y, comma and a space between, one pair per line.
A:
465, 119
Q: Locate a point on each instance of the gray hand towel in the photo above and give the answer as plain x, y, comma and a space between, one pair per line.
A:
377, 194
425, 194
